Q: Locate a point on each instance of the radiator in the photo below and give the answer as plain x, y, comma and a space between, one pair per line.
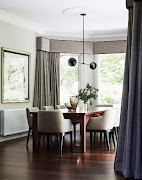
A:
13, 121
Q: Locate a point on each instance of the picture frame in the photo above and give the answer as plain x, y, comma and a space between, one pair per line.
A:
15, 87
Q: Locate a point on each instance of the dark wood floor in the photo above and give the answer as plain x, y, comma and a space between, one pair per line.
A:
19, 163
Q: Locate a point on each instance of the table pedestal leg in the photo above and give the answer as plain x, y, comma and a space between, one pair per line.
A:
83, 133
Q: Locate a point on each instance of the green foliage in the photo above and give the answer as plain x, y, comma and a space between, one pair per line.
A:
112, 73
87, 94
112, 68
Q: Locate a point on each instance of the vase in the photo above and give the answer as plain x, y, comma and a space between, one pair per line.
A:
74, 102
85, 106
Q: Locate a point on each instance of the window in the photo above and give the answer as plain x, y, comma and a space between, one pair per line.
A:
111, 78
68, 79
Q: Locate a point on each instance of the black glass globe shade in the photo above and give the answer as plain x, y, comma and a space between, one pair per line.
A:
72, 62
93, 65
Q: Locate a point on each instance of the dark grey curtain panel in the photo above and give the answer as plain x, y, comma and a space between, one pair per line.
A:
54, 61
47, 79
128, 158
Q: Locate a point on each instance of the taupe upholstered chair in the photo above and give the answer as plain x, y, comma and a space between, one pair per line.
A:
104, 124
74, 122
60, 107
48, 108
104, 105
117, 122
53, 123
30, 120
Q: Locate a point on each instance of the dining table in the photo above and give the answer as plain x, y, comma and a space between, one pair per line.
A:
78, 114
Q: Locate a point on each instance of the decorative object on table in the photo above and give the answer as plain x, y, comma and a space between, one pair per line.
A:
68, 105
74, 102
72, 61
87, 94
15, 76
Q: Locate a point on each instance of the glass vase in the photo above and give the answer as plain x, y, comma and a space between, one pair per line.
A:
85, 106
74, 102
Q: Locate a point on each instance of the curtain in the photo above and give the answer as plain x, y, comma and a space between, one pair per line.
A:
54, 61
128, 157
47, 79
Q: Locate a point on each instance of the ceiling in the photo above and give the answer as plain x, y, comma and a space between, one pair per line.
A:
60, 19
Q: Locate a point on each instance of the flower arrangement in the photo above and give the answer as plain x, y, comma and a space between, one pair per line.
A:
87, 94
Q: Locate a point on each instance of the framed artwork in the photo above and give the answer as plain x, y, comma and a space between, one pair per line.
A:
15, 76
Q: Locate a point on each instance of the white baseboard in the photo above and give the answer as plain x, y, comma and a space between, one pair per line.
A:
15, 136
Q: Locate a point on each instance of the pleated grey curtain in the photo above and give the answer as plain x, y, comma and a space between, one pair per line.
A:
54, 61
47, 79
128, 158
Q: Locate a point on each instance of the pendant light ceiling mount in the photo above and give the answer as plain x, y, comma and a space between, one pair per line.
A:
72, 61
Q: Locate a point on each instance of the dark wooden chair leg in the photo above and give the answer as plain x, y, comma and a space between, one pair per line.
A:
43, 138
107, 139
94, 137
113, 139
61, 143
39, 137
100, 137
28, 136
91, 139
104, 137
74, 129
71, 141
47, 142
116, 132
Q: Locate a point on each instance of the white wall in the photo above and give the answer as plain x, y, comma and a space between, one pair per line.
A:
18, 38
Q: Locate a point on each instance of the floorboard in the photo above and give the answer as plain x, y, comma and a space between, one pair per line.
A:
19, 163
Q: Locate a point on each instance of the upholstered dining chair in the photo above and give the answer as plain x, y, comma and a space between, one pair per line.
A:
60, 107
74, 122
30, 120
48, 108
117, 122
103, 105
103, 124
53, 123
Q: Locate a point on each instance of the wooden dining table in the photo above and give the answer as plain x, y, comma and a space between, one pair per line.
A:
79, 114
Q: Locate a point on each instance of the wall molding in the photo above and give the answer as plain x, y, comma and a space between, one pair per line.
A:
21, 22
12, 19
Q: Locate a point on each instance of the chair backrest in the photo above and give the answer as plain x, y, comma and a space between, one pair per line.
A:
30, 116
117, 118
60, 107
48, 108
108, 118
104, 105
52, 122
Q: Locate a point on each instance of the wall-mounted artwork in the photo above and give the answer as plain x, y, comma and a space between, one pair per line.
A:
15, 76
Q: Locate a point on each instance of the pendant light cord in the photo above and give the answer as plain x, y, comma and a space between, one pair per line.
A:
83, 39
83, 35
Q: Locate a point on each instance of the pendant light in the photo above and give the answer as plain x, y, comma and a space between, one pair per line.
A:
72, 61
